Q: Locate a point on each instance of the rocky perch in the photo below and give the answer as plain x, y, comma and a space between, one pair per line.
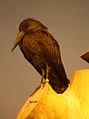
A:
45, 103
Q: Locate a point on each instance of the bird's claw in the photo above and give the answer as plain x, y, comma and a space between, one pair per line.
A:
47, 80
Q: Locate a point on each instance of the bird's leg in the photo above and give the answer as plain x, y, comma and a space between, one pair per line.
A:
42, 78
47, 71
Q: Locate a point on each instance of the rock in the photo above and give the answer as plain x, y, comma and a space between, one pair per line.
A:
45, 103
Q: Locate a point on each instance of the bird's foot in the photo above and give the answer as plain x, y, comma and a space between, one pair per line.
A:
42, 80
47, 80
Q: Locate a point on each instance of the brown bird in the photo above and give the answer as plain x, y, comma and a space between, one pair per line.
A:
43, 52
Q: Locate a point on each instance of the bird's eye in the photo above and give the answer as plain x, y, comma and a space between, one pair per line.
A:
26, 26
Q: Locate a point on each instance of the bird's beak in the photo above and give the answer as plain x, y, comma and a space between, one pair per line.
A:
18, 39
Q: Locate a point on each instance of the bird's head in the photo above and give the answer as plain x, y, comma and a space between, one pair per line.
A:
25, 26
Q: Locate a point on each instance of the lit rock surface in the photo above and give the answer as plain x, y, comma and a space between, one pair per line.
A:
47, 104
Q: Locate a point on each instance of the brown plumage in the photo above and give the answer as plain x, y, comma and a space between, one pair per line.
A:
42, 51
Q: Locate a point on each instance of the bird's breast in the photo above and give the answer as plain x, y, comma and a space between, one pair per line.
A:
32, 51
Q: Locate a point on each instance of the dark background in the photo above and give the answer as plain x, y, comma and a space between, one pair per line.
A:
68, 22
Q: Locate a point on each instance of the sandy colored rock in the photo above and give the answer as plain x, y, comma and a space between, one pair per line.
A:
45, 103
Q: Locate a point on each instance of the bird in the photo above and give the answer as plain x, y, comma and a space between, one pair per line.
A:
42, 51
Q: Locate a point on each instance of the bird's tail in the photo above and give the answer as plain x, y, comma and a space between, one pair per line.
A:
57, 83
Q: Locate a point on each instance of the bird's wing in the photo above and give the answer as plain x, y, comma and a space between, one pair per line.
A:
51, 51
